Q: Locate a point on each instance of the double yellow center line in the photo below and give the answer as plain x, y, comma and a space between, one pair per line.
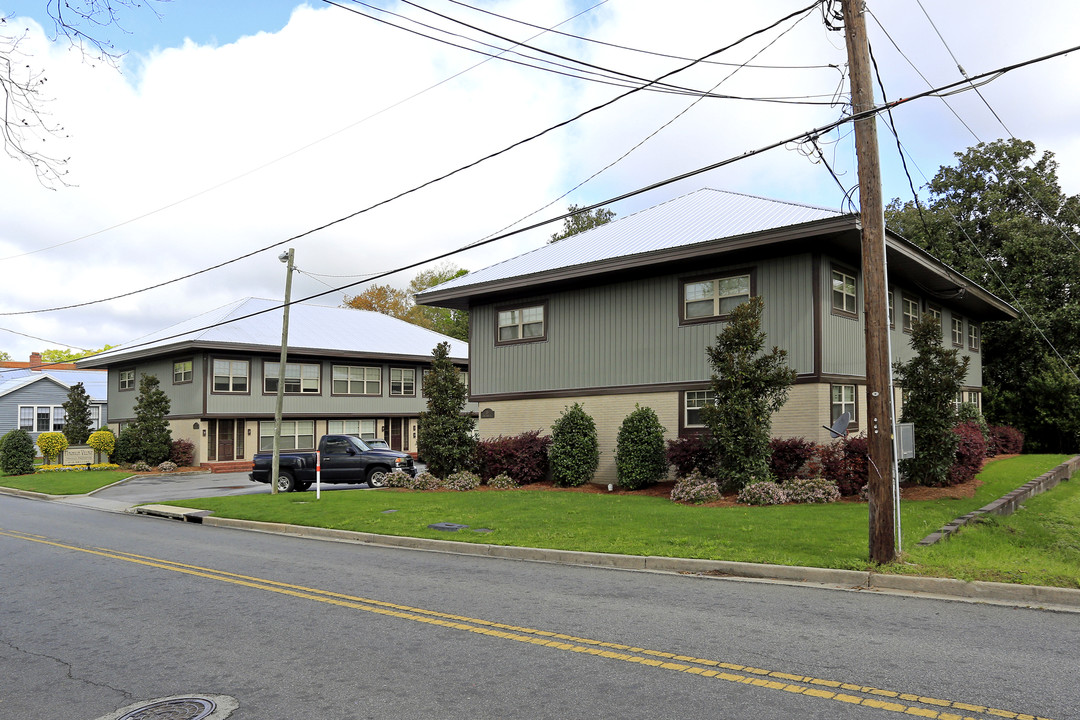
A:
826, 690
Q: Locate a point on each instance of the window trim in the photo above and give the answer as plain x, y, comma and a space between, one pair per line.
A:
402, 394
890, 303
957, 319
120, 380
55, 411
301, 365
751, 272
214, 375
854, 422
295, 435
904, 299
854, 275
974, 337
349, 382
542, 304
685, 408
330, 430
190, 371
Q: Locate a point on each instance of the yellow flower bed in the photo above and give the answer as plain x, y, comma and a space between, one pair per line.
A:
73, 468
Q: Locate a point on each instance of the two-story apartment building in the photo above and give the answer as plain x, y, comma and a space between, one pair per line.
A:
348, 372
621, 315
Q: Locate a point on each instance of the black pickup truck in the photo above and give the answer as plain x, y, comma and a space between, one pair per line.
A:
345, 459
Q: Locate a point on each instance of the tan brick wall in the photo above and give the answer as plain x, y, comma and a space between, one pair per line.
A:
513, 417
804, 413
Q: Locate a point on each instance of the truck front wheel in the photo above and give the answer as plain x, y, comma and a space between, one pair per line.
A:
376, 477
285, 482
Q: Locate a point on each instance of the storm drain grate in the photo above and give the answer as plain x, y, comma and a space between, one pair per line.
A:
181, 707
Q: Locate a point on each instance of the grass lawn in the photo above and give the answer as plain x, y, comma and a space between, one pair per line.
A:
76, 482
832, 535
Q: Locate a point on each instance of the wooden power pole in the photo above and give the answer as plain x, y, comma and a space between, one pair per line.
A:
876, 307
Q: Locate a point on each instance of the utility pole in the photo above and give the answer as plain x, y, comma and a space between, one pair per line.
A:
275, 464
879, 398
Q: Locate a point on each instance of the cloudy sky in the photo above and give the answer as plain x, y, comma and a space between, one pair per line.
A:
231, 128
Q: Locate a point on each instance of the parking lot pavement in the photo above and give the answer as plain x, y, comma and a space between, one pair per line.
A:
158, 488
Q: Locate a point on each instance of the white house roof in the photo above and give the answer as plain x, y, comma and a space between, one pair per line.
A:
255, 324
701, 216
94, 382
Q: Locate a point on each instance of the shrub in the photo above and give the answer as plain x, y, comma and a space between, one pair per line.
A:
445, 430
182, 452
574, 450
1007, 440
969, 413
503, 482
523, 456
696, 487
422, 481
696, 451
51, 444
102, 441
765, 492
970, 451
788, 456
140, 466
126, 448
167, 466
152, 437
639, 450
17, 453
846, 463
462, 480
811, 490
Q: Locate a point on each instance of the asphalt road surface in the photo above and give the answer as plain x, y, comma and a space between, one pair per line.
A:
101, 610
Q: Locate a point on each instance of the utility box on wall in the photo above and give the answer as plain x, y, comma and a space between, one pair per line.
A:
905, 441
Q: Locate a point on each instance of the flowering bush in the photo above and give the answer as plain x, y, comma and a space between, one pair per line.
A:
692, 451
523, 456
72, 468
762, 493
462, 480
423, 481
970, 452
52, 444
788, 456
140, 467
1007, 440
503, 481
182, 453
167, 466
811, 490
102, 441
695, 488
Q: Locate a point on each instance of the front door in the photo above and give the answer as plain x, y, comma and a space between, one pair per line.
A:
226, 440
396, 433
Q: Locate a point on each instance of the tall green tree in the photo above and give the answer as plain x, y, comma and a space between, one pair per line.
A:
931, 381
580, 222
77, 409
1000, 217
150, 429
445, 434
748, 385
450, 322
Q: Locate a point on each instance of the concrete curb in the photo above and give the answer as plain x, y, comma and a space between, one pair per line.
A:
947, 588
1008, 504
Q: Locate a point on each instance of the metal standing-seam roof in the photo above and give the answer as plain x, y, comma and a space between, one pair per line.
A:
254, 324
94, 382
701, 216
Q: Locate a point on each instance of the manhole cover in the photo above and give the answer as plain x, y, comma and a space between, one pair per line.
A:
447, 526
201, 707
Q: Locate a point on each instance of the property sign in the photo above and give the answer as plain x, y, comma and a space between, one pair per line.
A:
77, 455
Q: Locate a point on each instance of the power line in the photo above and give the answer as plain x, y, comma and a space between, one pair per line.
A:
410, 191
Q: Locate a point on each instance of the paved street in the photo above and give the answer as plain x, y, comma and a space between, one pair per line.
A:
101, 610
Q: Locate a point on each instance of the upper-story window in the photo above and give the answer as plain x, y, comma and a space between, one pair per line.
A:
230, 376
973, 336
910, 308
181, 372
402, 381
957, 331
934, 313
354, 380
843, 293
707, 299
301, 378
127, 379
892, 309
527, 323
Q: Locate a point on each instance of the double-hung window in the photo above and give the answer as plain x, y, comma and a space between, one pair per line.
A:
354, 380
714, 298
521, 324
363, 429
910, 307
957, 331
843, 293
181, 372
973, 337
127, 380
230, 376
843, 401
42, 418
300, 378
402, 381
295, 435
694, 401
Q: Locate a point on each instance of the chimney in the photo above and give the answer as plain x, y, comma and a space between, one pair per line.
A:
35, 360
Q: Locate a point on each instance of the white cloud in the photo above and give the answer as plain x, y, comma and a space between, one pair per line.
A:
181, 120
